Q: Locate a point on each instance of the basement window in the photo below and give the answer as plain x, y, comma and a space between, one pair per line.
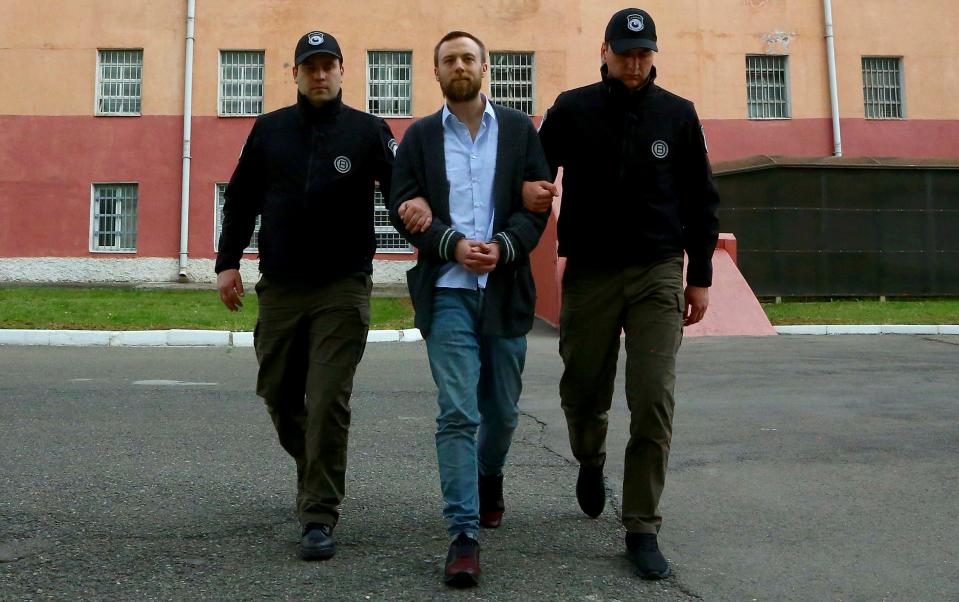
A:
113, 226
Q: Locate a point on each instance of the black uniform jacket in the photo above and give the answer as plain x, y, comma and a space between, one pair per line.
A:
637, 186
310, 174
420, 170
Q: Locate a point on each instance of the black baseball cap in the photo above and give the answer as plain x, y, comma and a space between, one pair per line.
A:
316, 42
631, 28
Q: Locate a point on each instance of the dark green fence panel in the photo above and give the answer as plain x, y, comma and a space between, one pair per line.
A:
841, 227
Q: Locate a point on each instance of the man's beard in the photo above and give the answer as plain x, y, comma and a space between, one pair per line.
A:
462, 90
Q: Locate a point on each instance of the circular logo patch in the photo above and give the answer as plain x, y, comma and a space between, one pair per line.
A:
342, 164
660, 149
635, 22
316, 38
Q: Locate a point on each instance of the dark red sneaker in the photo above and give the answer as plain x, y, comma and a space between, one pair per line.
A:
462, 562
491, 501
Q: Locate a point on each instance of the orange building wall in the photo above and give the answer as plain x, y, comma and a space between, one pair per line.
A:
53, 147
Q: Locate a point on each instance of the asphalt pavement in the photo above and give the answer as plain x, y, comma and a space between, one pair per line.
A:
803, 468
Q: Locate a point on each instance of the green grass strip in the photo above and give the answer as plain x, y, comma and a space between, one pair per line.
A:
150, 309
864, 311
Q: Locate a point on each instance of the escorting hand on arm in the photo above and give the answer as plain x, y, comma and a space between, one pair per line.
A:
538, 196
416, 214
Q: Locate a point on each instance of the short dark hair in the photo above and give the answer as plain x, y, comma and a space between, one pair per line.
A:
452, 36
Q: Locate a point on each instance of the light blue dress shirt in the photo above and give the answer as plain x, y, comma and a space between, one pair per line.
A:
470, 167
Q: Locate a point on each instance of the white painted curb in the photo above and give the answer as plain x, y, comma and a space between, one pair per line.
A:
242, 339
139, 338
914, 329
411, 335
819, 329
198, 338
164, 338
853, 329
383, 336
805, 329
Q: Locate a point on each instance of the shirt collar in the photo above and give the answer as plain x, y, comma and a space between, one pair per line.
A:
488, 112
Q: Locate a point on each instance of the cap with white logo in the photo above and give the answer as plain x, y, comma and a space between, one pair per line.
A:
631, 28
316, 42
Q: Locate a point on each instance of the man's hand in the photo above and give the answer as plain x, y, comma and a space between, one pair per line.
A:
416, 215
230, 285
477, 256
538, 196
697, 300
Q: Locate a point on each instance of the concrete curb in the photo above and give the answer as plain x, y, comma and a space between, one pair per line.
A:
225, 338
164, 338
811, 329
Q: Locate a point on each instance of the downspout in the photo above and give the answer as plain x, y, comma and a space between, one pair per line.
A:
833, 85
187, 132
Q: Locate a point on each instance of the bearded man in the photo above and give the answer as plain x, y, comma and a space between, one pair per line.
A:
458, 185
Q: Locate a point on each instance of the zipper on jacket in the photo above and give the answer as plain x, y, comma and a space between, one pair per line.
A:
309, 164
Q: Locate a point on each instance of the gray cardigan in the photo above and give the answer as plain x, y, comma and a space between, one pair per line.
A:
420, 170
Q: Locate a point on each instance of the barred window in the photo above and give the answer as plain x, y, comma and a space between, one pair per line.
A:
511, 80
388, 240
114, 227
390, 83
218, 223
119, 82
882, 87
767, 87
241, 82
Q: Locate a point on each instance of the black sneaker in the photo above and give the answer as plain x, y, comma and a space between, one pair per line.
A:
643, 552
317, 542
591, 490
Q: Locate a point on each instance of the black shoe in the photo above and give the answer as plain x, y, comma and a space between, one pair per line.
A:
317, 542
462, 562
491, 501
643, 552
591, 490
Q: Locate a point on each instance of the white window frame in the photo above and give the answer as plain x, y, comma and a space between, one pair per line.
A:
513, 55
218, 189
387, 229
408, 83
220, 98
98, 91
94, 247
899, 89
766, 105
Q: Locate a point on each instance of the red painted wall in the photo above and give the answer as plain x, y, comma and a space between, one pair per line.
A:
47, 165
216, 145
729, 139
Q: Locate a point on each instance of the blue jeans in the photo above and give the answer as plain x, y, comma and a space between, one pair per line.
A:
479, 379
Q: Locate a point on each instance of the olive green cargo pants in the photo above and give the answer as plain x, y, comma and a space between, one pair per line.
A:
598, 304
308, 341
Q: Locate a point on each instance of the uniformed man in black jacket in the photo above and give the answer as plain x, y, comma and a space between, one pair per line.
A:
637, 194
309, 172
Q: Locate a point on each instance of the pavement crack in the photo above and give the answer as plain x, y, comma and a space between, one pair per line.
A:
943, 341
541, 435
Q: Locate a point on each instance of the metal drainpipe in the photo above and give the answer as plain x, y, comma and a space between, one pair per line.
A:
833, 85
187, 132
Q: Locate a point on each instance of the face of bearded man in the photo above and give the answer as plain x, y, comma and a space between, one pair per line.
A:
460, 69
